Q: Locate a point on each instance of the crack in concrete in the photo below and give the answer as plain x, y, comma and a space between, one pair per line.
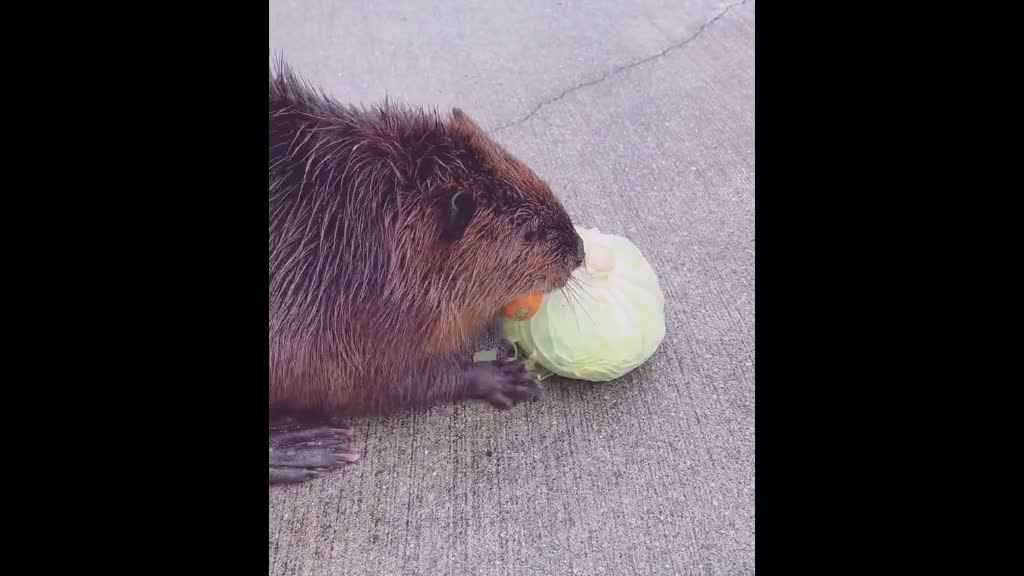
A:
620, 69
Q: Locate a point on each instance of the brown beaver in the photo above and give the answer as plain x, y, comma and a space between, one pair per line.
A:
396, 235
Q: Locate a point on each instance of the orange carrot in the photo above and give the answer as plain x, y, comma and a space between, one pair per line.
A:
524, 307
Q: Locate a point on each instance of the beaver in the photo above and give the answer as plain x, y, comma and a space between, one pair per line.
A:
396, 235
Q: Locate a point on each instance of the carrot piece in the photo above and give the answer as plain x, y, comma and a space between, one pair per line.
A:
524, 307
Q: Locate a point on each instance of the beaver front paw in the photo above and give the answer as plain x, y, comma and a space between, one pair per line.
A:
502, 383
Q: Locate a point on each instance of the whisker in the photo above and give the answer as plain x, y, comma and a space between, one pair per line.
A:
579, 285
573, 287
569, 299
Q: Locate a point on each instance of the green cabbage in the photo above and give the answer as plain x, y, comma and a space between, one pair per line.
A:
609, 321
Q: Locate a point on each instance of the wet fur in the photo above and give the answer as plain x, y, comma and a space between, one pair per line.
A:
395, 236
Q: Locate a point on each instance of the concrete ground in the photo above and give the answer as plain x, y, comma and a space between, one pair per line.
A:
641, 117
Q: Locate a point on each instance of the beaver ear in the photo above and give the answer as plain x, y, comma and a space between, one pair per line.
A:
462, 120
456, 208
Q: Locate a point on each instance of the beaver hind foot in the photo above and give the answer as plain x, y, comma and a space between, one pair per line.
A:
300, 452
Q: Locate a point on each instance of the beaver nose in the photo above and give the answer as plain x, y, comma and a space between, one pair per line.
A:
580, 253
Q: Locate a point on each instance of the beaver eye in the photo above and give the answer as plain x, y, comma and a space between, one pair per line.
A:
534, 234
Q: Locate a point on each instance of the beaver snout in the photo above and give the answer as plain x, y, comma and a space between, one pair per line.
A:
580, 253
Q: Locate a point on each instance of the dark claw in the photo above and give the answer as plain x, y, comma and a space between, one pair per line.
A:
500, 401
521, 393
347, 457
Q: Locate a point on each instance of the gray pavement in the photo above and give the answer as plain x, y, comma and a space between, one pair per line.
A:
641, 117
